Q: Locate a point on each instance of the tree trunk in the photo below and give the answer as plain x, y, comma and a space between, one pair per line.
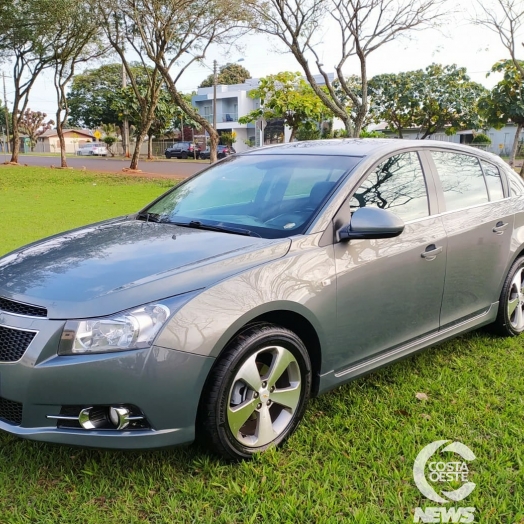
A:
60, 133
359, 122
150, 147
348, 125
515, 145
16, 141
213, 138
293, 133
136, 153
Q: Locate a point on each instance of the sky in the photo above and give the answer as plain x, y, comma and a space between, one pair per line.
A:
458, 42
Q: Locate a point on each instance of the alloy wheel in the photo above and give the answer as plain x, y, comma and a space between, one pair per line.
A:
516, 301
264, 396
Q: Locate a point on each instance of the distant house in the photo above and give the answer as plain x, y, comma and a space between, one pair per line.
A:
501, 139
233, 102
48, 142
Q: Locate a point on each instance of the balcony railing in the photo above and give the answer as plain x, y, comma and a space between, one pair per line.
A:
222, 118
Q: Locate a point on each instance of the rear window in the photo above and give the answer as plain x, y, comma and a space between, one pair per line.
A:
493, 181
462, 180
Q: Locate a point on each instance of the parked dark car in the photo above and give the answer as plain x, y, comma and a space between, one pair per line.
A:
183, 150
269, 278
222, 152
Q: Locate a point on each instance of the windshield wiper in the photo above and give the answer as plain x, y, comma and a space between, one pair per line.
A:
151, 217
196, 224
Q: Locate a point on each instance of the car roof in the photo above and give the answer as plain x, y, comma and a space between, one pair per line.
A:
361, 147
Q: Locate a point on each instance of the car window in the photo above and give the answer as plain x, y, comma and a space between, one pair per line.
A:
461, 178
493, 181
397, 184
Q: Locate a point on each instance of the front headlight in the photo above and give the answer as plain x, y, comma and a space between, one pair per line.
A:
128, 330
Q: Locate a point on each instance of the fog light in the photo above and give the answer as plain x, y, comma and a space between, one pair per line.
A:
119, 417
92, 418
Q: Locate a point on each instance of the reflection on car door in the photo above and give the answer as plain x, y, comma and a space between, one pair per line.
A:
479, 225
389, 291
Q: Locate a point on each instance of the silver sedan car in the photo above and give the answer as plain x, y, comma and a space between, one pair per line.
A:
273, 276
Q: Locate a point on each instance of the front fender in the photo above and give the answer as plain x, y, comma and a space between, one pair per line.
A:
302, 282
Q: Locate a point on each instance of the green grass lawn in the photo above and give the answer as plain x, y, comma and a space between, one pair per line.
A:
350, 461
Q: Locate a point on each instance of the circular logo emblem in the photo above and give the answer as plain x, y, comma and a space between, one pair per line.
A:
428, 466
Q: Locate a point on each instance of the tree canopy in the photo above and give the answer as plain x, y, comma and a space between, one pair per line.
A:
440, 97
287, 95
96, 94
506, 100
228, 74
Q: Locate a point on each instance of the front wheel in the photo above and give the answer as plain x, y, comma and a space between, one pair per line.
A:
510, 319
257, 392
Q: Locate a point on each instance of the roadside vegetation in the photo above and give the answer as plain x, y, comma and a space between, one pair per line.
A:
351, 459
37, 202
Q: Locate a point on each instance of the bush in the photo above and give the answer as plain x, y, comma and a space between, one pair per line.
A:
308, 134
481, 138
371, 134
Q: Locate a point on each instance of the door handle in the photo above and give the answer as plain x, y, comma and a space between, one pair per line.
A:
431, 252
500, 227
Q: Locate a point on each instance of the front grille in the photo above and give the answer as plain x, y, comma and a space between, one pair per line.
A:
10, 412
10, 306
13, 343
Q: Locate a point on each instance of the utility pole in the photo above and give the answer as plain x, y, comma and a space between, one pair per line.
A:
6, 114
215, 80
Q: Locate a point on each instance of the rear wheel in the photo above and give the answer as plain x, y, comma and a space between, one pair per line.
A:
510, 319
257, 392
184, 155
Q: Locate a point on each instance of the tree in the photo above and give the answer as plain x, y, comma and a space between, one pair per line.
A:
437, 98
25, 39
77, 42
120, 29
363, 27
164, 114
287, 95
228, 74
506, 101
172, 35
506, 19
395, 99
33, 124
110, 137
91, 97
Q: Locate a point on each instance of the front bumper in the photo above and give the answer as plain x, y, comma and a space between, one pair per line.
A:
164, 384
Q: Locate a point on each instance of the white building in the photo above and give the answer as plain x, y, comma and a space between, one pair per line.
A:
233, 102
501, 139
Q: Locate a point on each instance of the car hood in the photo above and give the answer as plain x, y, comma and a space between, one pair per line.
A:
116, 265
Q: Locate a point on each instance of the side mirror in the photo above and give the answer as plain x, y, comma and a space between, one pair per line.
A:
371, 222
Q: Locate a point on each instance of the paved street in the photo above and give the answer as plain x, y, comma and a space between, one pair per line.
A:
174, 168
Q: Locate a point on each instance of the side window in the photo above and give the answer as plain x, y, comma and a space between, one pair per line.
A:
461, 178
397, 184
493, 181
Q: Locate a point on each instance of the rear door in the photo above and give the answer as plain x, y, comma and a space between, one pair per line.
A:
479, 223
389, 291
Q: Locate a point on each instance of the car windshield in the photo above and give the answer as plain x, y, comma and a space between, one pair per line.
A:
271, 196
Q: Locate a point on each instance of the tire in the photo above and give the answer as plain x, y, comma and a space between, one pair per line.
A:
234, 432
510, 318
184, 155
168, 156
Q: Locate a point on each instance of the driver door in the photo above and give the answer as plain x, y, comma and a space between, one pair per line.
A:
389, 291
